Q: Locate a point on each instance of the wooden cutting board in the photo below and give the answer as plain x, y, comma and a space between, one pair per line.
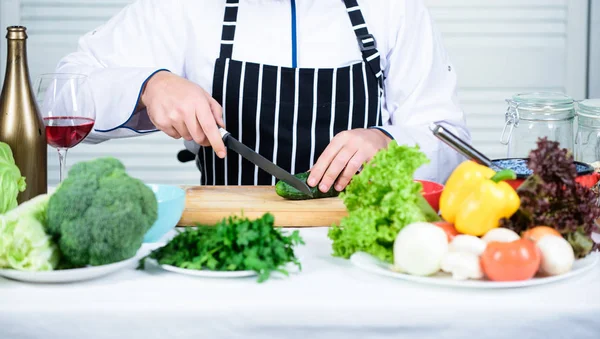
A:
210, 204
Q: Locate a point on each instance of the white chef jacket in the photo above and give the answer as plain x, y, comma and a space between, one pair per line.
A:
184, 36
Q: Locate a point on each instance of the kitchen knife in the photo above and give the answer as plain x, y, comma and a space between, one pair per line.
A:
264, 163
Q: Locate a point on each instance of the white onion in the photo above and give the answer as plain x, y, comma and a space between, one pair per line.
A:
419, 249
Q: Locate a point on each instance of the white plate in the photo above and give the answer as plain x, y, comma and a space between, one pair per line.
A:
67, 276
208, 273
372, 264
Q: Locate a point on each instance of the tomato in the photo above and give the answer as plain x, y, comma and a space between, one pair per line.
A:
511, 261
536, 233
451, 232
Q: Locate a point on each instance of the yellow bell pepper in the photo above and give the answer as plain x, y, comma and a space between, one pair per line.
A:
463, 180
476, 198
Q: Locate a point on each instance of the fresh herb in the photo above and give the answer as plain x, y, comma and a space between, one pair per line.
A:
234, 244
381, 200
552, 197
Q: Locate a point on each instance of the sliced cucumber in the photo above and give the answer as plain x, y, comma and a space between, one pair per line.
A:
288, 192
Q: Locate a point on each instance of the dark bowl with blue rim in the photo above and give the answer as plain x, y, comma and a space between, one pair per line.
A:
585, 172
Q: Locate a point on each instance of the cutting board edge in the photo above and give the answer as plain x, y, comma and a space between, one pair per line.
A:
210, 209
314, 220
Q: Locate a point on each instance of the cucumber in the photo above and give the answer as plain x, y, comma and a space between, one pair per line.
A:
288, 192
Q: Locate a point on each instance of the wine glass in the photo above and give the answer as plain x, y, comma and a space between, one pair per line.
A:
67, 108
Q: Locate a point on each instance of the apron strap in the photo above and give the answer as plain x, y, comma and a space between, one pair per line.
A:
366, 41
229, 23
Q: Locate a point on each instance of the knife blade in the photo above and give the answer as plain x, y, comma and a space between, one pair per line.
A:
264, 163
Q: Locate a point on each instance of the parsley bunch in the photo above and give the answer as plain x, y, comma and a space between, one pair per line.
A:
234, 244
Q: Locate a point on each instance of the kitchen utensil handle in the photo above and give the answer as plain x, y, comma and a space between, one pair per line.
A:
223, 132
185, 156
460, 145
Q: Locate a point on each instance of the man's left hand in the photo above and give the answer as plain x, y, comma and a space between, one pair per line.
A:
344, 156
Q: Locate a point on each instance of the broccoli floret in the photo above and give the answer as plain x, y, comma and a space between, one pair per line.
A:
99, 214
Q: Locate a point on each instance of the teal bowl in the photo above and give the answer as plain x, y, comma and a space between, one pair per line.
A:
171, 203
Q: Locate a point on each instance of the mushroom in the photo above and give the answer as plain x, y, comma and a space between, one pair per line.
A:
467, 243
462, 265
500, 234
557, 255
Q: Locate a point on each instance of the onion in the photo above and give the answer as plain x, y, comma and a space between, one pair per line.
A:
419, 249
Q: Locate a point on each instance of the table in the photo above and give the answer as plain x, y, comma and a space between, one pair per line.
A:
328, 299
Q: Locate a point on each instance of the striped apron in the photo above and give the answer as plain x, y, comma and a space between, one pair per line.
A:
289, 115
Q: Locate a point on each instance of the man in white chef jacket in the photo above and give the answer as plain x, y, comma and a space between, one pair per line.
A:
318, 85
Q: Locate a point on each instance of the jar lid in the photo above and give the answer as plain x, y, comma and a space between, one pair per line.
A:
544, 101
589, 108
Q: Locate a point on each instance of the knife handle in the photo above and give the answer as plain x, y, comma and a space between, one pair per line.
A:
185, 156
223, 132
460, 145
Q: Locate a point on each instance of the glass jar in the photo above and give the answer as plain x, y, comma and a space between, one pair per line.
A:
531, 116
587, 142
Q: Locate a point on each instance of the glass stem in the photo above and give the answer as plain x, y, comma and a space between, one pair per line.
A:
62, 163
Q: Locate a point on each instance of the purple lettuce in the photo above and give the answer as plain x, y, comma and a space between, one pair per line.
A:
552, 197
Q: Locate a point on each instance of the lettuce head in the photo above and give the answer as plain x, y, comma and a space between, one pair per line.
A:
24, 243
11, 181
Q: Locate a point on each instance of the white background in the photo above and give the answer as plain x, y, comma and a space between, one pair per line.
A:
499, 47
594, 80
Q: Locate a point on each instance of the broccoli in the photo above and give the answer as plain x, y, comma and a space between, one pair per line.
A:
99, 214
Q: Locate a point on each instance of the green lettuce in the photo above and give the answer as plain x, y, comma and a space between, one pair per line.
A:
24, 243
11, 181
381, 200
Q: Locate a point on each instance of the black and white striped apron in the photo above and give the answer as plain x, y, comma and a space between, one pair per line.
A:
289, 115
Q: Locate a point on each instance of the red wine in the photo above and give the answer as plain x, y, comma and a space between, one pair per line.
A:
66, 132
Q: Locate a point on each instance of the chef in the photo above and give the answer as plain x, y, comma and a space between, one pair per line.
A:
319, 85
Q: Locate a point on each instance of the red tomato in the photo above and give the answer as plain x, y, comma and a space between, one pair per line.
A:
451, 232
511, 261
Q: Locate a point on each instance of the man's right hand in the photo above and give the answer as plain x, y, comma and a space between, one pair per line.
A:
182, 109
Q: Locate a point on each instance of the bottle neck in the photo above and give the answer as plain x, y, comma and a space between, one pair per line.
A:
17, 70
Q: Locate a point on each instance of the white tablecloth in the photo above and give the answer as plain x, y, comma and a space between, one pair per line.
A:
328, 299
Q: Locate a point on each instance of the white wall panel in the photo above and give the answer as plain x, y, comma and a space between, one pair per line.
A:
504, 47
594, 79
499, 47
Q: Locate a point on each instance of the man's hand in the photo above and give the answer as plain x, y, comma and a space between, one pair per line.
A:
181, 108
344, 156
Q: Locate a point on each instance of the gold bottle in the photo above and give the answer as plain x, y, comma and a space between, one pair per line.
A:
21, 127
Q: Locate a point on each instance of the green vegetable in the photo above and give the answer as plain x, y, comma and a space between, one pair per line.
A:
99, 214
11, 181
551, 196
286, 191
236, 244
24, 244
381, 200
